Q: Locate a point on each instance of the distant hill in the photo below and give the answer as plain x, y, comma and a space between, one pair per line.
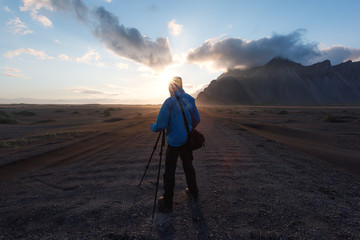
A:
284, 82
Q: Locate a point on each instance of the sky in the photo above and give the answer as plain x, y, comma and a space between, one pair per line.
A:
126, 51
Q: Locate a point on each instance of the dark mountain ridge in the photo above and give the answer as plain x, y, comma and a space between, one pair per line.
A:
284, 82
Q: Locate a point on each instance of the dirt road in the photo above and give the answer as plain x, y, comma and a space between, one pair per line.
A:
250, 188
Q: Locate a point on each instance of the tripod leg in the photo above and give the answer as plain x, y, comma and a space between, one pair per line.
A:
147, 166
158, 176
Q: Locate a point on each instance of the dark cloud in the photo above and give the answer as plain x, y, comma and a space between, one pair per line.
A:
236, 52
130, 43
125, 42
77, 6
339, 54
85, 90
91, 92
153, 8
81, 10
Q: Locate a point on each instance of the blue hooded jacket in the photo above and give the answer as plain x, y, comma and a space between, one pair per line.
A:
171, 118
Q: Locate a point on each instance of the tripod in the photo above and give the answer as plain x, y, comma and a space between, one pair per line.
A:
147, 166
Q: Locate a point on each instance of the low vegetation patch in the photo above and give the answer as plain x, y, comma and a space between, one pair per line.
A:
107, 113
44, 121
28, 140
59, 111
4, 114
6, 118
340, 119
113, 120
333, 119
110, 109
283, 112
24, 113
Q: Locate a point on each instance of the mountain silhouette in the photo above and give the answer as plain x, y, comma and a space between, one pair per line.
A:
284, 82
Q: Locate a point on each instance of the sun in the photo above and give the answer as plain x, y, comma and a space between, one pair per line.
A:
165, 77
157, 89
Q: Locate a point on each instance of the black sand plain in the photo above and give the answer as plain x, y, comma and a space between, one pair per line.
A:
72, 172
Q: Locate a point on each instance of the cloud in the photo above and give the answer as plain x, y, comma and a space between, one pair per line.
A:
7, 9
64, 57
175, 29
91, 58
34, 6
237, 52
18, 27
121, 65
123, 41
92, 91
86, 90
339, 54
57, 41
130, 43
14, 72
153, 8
19, 51
194, 90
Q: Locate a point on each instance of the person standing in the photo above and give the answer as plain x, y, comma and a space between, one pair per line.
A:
171, 118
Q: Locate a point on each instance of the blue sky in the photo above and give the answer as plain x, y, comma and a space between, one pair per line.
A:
121, 51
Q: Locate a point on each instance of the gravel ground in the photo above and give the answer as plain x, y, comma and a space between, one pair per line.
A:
250, 188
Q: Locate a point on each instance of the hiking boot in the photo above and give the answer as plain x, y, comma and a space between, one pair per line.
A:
192, 196
164, 206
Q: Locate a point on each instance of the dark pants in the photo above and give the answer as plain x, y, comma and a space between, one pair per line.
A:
186, 157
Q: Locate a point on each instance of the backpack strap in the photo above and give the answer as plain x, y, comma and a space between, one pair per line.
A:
182, 110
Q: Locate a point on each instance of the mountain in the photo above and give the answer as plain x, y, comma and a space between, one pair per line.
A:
284, 82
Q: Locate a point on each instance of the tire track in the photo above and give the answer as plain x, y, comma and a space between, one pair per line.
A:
72, 153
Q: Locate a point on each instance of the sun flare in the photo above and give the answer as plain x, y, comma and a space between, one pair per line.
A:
165, 77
